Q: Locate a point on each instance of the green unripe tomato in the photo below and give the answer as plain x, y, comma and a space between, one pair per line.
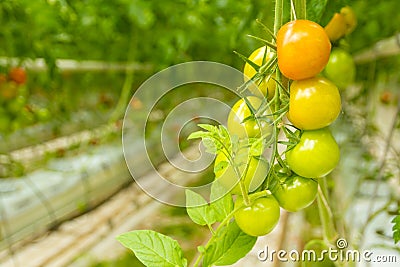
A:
316, 154
296, 193
15, 105
258, 219
249, 128
341, 69
43, 114
256, 173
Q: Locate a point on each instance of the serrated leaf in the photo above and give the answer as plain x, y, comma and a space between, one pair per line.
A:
215, 138
221, 201
256, 146
210, 146
153, 249
396, 229
208, 127
223, 132
230, 246
234, 143
198, 209
198, 134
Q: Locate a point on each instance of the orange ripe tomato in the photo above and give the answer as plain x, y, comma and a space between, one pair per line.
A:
303, 49
17, 75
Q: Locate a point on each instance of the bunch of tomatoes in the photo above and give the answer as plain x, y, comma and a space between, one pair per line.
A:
308, 103
15, 112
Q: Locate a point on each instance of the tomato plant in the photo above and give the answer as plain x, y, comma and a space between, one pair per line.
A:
303, 49
341, 68
242, 121
315, 155
259, 218
256, 126
314, 103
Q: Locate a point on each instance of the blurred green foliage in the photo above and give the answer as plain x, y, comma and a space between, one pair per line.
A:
376, 20
164, 32
161, 33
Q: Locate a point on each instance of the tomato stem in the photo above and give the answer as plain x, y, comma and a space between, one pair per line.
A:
242, 186
325, 213
300, 9
278, 15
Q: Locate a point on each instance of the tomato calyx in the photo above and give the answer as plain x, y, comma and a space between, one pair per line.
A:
280, 172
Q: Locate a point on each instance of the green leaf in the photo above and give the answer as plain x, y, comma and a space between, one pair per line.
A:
223, 132
198, 134
248, 61
396, 229
210, 145
208, 127
215, 138
153, 249
221, 201
315, 9
256, 146
220, 166
231, 245
198, 209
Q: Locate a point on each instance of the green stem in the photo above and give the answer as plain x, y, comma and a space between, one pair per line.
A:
211, 229
278, 15
127, 86
300, 7
276, 98
124, 97
325, 213
242, 186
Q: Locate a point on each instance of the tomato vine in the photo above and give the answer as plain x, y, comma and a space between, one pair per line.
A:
294, 57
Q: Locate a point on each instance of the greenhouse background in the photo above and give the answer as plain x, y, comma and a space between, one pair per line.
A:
65, 188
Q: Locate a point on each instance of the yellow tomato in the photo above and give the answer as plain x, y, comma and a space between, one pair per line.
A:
251, 127
256, 173
314, 103
266, 87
